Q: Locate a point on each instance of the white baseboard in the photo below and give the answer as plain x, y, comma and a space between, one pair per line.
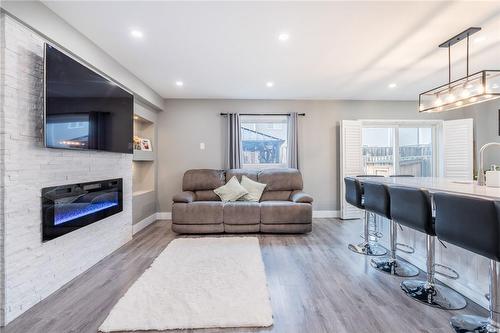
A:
316, 214
326, 213
164, 215
144, 223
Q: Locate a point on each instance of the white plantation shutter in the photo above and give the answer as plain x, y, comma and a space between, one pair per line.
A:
458, 150
351, 162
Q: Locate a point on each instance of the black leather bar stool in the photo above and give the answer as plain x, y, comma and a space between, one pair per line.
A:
377, 200
354, 196
373, 231
473, 224
412, 207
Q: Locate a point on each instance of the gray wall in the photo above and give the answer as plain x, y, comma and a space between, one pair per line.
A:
186, 123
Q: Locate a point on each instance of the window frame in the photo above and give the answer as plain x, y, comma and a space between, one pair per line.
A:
435, 126
264, 118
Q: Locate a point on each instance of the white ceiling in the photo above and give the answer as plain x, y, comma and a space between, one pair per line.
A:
336, 50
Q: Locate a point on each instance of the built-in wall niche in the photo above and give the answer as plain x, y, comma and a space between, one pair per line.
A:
144, 160
144, 177
144, 130
144, 202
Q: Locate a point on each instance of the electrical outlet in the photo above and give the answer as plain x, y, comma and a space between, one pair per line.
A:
202, 145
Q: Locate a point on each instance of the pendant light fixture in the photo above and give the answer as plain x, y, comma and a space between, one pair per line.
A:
472, 89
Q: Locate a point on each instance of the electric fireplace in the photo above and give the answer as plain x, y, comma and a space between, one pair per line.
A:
67, 208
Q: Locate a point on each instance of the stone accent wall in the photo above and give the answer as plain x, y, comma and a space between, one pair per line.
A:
32, 269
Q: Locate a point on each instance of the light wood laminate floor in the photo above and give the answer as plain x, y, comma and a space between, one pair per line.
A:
316, 285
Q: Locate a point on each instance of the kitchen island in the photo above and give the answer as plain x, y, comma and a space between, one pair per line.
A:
473, 269
439, 184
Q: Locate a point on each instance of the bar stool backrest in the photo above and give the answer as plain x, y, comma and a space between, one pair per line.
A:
401, 176
377, 200
353, 192
468, 222
412, 207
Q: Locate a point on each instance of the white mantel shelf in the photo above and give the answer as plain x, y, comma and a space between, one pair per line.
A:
436, 184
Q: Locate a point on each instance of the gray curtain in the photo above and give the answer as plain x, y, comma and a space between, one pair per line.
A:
293, 144
233, 150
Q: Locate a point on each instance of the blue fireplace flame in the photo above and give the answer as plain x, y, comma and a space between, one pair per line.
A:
70, 211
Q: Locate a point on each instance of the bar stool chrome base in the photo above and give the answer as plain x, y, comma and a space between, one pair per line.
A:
473, 324
394, 267
434, 295
368, 249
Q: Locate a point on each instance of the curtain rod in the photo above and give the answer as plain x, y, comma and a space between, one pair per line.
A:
264, 114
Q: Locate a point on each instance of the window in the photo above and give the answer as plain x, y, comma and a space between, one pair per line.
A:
415, 151
414, 144
378, 151
264, 141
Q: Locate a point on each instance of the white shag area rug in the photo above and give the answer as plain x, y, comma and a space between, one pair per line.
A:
197, 283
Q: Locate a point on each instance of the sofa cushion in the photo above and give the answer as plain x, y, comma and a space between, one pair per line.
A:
242, 212
283, 212
299, 196
241, 228
275, 196
281, 179
232, 191
186, 196
202, 179
252, 174
198, 228
197, 212
206, 195
254, 189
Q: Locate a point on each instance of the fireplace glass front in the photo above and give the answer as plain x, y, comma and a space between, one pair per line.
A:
70, 207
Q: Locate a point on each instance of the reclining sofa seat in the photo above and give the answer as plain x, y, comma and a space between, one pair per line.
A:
283, 207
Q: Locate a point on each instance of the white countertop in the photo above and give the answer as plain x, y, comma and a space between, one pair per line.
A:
441, 185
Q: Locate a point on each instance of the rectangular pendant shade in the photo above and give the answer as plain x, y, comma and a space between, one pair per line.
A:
476, 88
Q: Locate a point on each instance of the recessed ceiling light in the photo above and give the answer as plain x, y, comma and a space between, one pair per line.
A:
136, 33
179, 83
283, 37
392, 85
270, 84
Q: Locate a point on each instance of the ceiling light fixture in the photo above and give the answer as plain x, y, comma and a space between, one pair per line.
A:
179, 83
471, 89
270, 84
392, 85
283, 37
136, 33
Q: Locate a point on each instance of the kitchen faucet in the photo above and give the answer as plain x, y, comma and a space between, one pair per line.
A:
481, 181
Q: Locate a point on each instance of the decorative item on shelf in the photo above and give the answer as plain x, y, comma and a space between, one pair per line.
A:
137, 143
470, 89
146, 145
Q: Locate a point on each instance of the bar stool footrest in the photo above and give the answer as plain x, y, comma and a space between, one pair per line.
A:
453, 276
405, 248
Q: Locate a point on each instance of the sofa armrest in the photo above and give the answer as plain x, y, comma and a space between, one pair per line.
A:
186, 197
302, 197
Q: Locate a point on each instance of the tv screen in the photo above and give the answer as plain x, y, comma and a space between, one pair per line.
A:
84, 110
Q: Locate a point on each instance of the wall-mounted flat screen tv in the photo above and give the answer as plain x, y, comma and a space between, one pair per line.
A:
83, 109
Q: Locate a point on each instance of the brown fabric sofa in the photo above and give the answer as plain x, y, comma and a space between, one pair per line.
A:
283, 207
